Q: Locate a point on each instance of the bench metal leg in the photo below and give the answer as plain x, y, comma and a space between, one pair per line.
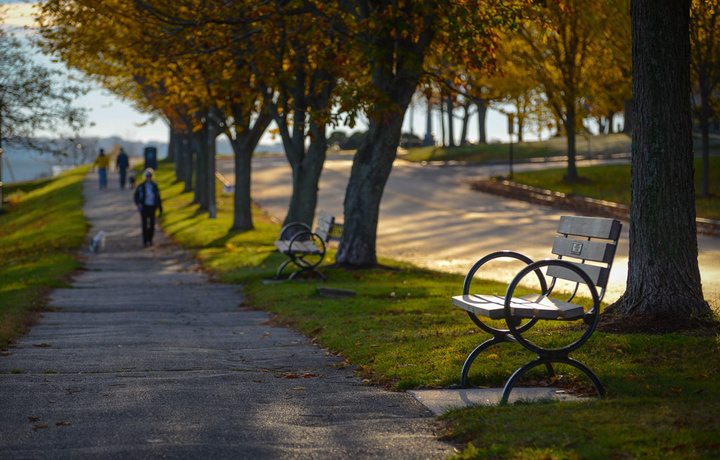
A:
281, 267
499, 338
547, 362
307, 269
303, 266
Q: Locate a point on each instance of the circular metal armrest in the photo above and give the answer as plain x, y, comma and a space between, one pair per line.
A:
500, 255
309, 236
293, 228
591, 316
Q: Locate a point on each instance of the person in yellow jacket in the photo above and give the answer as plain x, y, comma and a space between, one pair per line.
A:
102, 162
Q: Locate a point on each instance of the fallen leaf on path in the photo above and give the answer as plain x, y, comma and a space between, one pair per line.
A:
42, 345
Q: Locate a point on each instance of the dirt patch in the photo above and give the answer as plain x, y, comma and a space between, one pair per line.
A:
696, 326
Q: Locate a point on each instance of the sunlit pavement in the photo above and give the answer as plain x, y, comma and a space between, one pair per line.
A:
431, 218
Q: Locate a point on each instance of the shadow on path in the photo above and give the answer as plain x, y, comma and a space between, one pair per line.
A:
146, 358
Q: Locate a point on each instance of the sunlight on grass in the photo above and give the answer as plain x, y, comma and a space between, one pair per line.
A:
401, 332
42, 228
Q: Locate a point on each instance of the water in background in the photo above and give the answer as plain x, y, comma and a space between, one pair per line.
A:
28, 165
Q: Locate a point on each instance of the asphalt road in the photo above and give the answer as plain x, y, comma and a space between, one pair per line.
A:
430, 217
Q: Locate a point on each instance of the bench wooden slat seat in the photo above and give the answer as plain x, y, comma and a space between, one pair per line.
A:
585, 252
306, 249
530, 306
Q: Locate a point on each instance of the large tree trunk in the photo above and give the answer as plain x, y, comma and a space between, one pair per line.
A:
663, 273
243, 144
370, 170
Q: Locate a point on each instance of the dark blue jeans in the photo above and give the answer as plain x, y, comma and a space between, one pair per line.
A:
148, 223
123, 176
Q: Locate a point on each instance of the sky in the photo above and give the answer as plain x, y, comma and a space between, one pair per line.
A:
113, 117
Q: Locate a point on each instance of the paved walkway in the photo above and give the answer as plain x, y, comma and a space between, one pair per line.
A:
146, 358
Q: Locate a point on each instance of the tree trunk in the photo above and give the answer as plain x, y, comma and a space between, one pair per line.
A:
520, 126
306, 175
465, 121
171, 154
1, 160
243, 144
198, 140
443, 137
451, 121
175, 149
370, 170
1, 168
186, 160
627, 124
663, 272
429, 138
570, 131
482, 115
214, 121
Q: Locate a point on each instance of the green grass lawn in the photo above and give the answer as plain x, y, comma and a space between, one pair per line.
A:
402, 332
41, 229
603, 182
603, 144
612, 183
557, 146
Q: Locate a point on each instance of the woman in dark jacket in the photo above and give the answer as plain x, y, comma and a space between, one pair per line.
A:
147, 199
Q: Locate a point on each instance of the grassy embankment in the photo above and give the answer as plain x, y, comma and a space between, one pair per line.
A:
402, 332
41, 228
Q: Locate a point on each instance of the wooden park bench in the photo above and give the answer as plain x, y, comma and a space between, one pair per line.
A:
585, 252
304, 248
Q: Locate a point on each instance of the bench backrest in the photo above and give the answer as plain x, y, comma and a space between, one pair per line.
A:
327, 228
590, 243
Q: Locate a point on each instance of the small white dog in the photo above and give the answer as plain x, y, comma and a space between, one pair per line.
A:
98, 243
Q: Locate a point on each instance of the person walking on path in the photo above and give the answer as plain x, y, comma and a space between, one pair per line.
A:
147, 200
102, 162
122, 164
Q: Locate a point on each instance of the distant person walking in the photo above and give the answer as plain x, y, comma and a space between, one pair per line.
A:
102, 162
147, 199
122, 164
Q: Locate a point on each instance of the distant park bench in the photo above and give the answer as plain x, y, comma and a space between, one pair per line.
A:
590, 244
306, 249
